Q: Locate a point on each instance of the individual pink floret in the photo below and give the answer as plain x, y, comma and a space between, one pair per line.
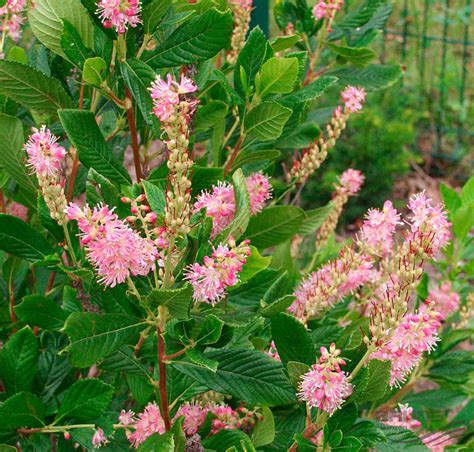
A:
119, 14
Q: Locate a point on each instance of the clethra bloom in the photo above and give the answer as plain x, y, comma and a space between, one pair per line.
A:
119, 14
444, 300
353, 98
220, 202
325, 386
218, 272
11, 18
331, 283
414, 335
45, 156
147, 423
99, 439
376, 234
166, 95
194, 417
126, 417
272, 352
351, 180
113, 248
403, 418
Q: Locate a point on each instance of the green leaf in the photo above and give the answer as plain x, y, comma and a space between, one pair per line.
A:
436, 399
250, 156
85, 400
158, 443
295, 371
211, 330
292, 340
242, 215
229, 441
32, 88
463, 220
358, 56
264, 431
139, 76
274, 225
284, 42
46, 21
20, 239
198, 39
309, 92
467, 193
94, 70
209, 115
277, 306
372, 78
255, 264
17, 54
378, 381
314, 219
36, 310
12, 154
94, 336
277, 76
99, 189
19, 361
249, 375
254, 53
398, 439
200, 359
155, 197
72, 45
153, 14
178, 301
451, 198
22, 409
266, 121
93, 151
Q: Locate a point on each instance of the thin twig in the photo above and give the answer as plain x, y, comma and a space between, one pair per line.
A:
165, 412
133, 133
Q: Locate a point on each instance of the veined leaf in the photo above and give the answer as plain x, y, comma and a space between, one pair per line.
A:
94, 336
277, 76
372, 78
309, 92
198, 39
46, 20
358, 56
153, 13
266, 121
32, 88
22, 409
93, 151
177, 301
36, 310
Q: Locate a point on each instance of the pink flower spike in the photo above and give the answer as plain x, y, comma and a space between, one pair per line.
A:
194, 417
352, 180
99, 439
320, 10
126, 417
444, 300
148, 423
353, 98
119, 14
45, 156
260, 190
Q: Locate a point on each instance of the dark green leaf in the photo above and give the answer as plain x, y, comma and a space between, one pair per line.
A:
209, 115
284, 42
266, 121
153, 14
314, 219
36, 310
358, 56
295, 371
309, 92
155, 197
23, 409
94, 70
158, 443
372, 78
72, 45
378, 381
277, 306
229, 440
178, 301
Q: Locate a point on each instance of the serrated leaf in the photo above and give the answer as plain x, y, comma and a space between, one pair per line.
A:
274, 225
295, 371
12, 155
95, 336
20, 239
372, 78
139, 76
314, 219
93, 72
93, 151
157, 442
277, 306
292, 340
46, 20
19, 361
255, 264
155, 197
72, 45
31, 88
284, 42
36, 310
85, 400
198, 39
178, 301
378, 381
249, 375
229, 441
264, 430
20, 410
249, 156
209, 115
451, 198
277, 76
199, 358
309, 92
211, 330
358, 56
266, 121
153, 14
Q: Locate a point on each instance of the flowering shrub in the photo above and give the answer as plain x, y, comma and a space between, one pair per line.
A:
161, 288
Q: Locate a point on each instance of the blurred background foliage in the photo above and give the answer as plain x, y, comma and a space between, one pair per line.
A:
418, 132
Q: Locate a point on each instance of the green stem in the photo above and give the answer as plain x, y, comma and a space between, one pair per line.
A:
363, 360
69, 245
146, 39
168, 269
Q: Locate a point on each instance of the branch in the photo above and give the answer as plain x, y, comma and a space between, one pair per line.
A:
165, 411
133, 133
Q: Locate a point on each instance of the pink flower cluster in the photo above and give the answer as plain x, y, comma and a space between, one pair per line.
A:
220, 202
167, 95
414, 335
11, 18
119, 14
325, 385
146, 424
351, 181
327, 9
429, 222
243, 3
211, 279
376, 234
113, 248
353, 98
331, 283
403, 418
444, 300
99, 439
18, 210
45, 156
272, 351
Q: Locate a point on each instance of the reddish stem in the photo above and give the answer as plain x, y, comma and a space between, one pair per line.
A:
233, 156
174, 355
72, 178
165, 411
50, 284
133, 133
137, 347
